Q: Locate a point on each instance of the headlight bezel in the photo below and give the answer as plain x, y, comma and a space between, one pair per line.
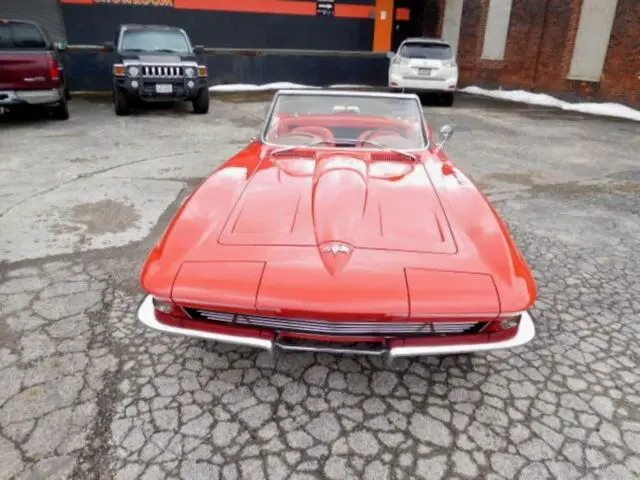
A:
133, 71
190, 72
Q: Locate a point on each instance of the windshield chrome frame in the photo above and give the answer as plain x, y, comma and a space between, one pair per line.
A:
349, 93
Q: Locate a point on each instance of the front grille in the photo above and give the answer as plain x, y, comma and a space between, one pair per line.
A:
323, 327
162, 71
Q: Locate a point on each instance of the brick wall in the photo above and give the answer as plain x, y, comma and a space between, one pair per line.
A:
540, 47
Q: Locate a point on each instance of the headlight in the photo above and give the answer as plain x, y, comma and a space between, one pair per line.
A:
449, 63
133, 71
190, 72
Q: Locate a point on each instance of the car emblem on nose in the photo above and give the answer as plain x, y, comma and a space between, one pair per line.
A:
336, 248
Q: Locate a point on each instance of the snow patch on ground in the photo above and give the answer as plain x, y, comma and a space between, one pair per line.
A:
540, 99
245, 87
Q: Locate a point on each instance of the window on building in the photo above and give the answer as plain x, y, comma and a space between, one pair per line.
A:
497, 29
592, 40
451, 23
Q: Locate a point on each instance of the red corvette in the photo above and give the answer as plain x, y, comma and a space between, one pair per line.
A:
343, 229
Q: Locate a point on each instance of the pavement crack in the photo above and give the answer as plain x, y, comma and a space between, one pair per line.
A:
92, 174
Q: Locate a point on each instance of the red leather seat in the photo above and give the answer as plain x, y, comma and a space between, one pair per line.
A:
317, 131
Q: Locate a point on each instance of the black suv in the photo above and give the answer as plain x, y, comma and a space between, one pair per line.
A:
157, 63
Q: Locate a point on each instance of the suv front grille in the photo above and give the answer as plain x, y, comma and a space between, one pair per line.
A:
162, 71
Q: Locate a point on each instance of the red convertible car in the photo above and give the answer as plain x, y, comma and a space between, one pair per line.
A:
344, 228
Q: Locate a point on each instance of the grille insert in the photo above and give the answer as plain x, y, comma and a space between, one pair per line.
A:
324, 327
162, 71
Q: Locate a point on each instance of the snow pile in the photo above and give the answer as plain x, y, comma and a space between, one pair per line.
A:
245, 87
540, 99
522, 96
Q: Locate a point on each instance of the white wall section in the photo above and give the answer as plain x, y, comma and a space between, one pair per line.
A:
451, 23
495, 35
592, 39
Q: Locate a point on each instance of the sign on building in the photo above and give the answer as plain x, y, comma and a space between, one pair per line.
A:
326, 7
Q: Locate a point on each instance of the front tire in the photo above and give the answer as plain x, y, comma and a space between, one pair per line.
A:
121, 103
61, 111
201, 102
447, 99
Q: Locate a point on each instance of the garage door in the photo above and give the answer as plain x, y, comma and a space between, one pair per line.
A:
45, 12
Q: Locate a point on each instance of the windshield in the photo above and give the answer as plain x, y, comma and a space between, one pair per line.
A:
155, 41
21, 35
339, 120
434, 51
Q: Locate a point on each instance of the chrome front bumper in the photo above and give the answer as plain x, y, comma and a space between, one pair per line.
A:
526, 332
30, 97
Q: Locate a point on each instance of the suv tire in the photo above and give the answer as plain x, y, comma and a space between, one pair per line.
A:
61, 111
447, 99
201, 102
121, 103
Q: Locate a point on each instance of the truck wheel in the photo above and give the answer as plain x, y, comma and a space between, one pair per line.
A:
61, 111
201, 102
121, 103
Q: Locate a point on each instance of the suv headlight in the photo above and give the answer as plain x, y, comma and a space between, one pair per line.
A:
133, 71
190, 72
449, 63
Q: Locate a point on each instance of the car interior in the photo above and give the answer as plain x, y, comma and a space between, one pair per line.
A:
329, 130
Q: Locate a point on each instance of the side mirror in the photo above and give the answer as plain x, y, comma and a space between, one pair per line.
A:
446, 132
198, 49
391, 55
59, 46
109, 46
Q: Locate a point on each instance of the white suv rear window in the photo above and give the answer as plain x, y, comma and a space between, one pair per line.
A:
435, 51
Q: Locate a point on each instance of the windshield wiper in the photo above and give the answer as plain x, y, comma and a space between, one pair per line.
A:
304, 145
167, 50
399, 152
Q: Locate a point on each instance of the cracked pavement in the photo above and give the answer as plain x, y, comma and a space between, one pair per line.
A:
88, 392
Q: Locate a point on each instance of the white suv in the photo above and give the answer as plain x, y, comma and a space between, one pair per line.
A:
424, 65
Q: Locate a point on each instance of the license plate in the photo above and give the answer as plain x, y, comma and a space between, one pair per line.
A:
164, 88
424, 71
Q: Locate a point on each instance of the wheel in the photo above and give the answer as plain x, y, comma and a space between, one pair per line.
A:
121, 103
201, 102
447, 99
61, 111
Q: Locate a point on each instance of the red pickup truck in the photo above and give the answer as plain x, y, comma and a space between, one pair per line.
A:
31, 71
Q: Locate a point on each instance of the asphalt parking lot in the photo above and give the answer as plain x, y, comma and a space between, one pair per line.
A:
88, 392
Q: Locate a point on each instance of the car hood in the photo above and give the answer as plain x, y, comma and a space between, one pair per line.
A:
413, 241
156, 58
382, 203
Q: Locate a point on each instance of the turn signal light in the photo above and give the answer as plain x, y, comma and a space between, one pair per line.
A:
168, 312
202, 71
119, 70
503, 323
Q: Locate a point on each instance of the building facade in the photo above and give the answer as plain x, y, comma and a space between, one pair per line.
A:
575, 48
572, 48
